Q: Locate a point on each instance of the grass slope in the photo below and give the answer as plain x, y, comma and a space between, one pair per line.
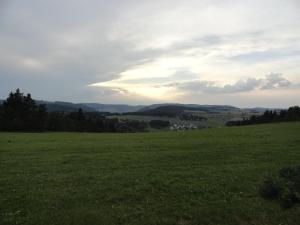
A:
196, 177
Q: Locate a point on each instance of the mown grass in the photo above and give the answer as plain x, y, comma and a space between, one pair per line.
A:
195, 177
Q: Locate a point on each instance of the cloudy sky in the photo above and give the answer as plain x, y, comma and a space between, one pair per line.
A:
242, 53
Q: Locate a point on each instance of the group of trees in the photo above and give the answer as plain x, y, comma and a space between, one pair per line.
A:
191, 117
20, 112
270, 116
283, 188
91, 122
159, 124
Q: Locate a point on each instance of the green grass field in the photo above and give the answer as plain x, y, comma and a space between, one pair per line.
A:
205, 177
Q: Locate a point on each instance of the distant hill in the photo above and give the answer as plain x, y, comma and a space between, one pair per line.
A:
113, 108
260, 109
192, 107
62, 106
173, 110
65, 106
88, 107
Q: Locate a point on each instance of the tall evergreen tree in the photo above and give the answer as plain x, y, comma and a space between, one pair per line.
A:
20, 112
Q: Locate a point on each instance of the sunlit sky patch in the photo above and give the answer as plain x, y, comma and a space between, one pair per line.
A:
243, 53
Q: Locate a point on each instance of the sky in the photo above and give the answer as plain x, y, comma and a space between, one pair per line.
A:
244, 53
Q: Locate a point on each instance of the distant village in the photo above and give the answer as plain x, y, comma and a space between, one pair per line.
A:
178, 127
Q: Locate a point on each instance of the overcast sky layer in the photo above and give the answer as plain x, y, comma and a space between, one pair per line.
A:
244, 53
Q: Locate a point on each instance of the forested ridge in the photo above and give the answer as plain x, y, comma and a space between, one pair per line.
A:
270, 116
20, 112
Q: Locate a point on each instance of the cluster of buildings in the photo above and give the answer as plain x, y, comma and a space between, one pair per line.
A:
177, 127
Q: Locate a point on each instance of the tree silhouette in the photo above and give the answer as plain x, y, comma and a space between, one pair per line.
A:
20, 112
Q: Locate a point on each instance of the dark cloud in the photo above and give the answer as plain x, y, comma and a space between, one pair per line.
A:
275, 80
213, 88
54, 48
271, 81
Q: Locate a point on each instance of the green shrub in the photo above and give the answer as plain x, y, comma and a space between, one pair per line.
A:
270, 188
285, 188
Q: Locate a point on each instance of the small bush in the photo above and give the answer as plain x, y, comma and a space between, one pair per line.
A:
270, 188
287, 198
285, 188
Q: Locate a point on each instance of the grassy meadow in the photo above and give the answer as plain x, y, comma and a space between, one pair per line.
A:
203, 177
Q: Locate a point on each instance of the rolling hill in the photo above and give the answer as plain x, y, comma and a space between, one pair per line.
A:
173, 110
155, 109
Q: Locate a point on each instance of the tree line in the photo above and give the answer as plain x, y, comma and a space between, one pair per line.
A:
270, 116
20, 112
